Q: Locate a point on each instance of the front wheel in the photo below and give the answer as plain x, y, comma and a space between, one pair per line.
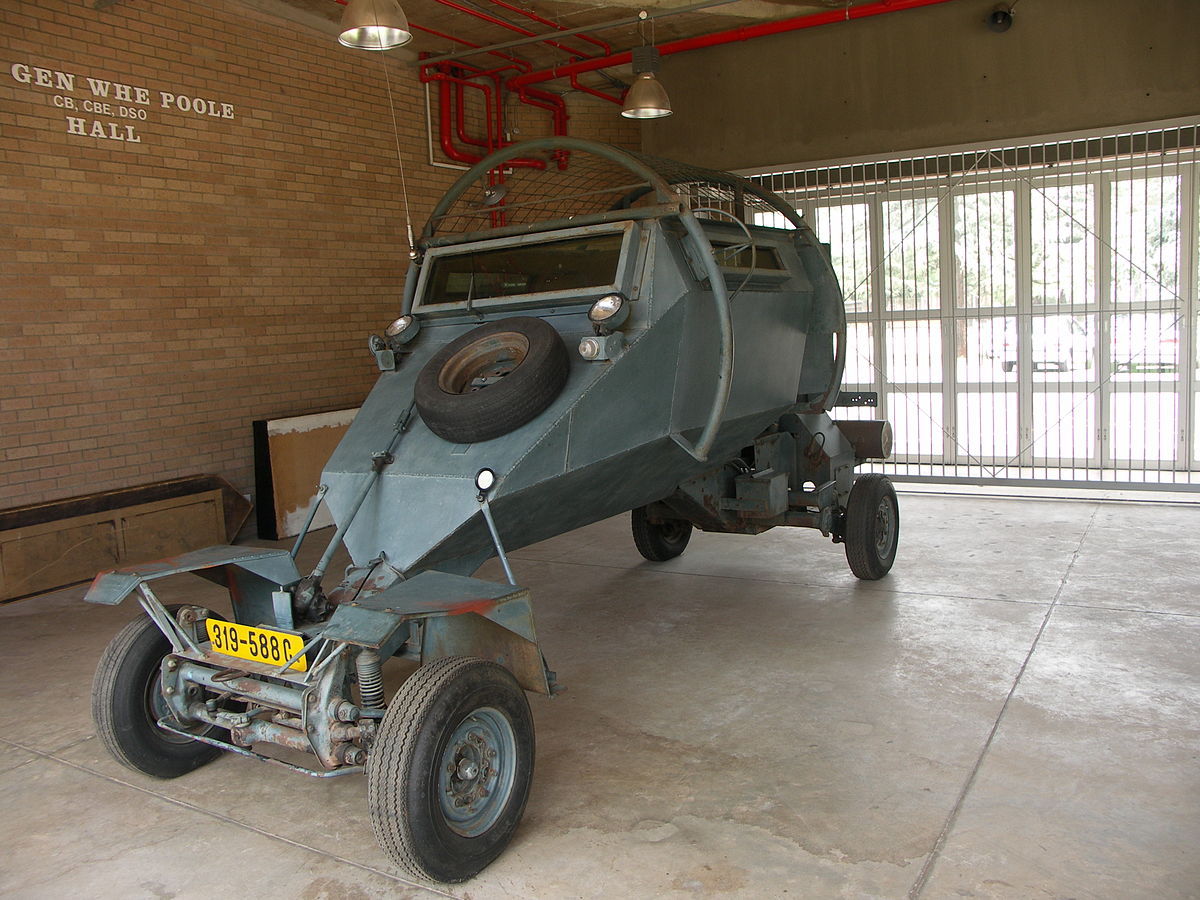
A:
659, 541
451, 767
872, 530
127, 703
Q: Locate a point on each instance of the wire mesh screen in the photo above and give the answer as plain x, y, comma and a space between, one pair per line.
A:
1028, 314
561, 183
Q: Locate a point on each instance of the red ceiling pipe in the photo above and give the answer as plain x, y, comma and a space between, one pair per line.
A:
532, 15
556, 105
580, 86
494, 20
460, 127
445, 138
495, 135
514, 62
446, 117
744, 33
501, 141
552, 102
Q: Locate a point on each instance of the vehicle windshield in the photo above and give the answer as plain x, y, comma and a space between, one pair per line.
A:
565, 265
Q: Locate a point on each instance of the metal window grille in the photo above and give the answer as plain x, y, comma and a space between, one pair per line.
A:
1028, 314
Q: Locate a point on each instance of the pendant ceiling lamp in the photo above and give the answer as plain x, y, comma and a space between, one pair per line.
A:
374, 25
646, 98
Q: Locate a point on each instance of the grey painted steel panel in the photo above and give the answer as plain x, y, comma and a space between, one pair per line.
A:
604, 445
271, 566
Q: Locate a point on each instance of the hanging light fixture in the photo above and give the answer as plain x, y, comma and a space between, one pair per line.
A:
646, 98
374, 25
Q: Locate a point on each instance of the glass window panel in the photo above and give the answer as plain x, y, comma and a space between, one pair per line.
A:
911, 273
740, 255
1142, 425
917, 422
1145, 225
846, 228
1064, 347
860, 355
772, 219
914, 352
1145, 347
987, 424
985, 250
564, 265
1196, 429
1064, 426
1063, 244
986, 349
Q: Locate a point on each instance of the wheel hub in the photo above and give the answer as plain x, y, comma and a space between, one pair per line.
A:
483, 363
476, 773
884, 527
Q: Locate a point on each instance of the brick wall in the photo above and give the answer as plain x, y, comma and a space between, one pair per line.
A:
222, 263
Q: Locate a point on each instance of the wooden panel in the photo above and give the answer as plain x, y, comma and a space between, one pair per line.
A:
290, 456
38, 558
57, 553
157, 532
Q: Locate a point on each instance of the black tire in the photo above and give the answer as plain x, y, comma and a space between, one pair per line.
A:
492, 380
126, 705
445, 718
657, 541
872, 526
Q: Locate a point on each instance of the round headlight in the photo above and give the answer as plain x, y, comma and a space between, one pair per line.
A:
609, 311
403, 330
485, 480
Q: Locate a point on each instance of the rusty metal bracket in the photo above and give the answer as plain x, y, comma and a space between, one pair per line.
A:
168, 725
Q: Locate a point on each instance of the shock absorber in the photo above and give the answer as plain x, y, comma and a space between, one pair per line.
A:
370, 679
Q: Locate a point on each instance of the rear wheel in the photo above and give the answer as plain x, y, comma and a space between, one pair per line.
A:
872, 526
451, 767
659, 541
127, 703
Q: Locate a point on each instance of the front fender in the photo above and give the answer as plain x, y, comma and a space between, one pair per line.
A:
252, 575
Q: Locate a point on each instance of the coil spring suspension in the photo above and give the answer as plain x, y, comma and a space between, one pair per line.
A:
370, 679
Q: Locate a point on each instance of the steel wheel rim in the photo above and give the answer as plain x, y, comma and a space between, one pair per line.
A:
885, 527
483, 362
673, 531
477, 771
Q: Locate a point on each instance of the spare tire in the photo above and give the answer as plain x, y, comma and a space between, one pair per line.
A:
492, 380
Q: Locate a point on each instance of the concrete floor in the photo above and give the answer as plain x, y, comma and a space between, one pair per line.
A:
1011, 713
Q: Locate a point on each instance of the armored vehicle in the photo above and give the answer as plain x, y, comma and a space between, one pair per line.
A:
584, 331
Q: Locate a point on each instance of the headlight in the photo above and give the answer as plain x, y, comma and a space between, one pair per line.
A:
610, 311
485, 480
403, 330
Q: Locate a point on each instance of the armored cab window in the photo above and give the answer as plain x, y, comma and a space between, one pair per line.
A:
732, 255
574, 264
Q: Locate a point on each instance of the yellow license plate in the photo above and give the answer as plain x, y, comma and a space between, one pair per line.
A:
261, 645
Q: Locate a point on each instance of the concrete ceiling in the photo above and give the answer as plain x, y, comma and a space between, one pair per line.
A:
666, 24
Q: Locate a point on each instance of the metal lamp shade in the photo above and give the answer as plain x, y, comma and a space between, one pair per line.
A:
374, 25
646, 99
